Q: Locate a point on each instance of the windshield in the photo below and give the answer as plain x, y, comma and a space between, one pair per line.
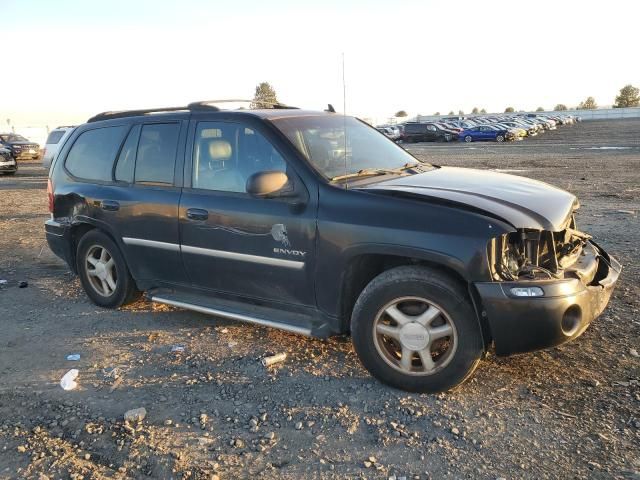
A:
321, 139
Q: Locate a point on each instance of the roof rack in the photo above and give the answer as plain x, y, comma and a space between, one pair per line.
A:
135, 113
201, 105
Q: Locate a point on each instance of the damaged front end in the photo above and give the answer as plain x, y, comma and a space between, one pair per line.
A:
538, 255
546, 288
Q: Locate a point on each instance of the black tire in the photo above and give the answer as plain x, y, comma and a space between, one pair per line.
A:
500, 138
125, 290
449, 296
468, 138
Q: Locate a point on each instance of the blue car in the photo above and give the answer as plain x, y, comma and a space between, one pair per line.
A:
485, 132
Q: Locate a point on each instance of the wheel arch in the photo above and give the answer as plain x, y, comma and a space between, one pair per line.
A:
365, 262
81, 226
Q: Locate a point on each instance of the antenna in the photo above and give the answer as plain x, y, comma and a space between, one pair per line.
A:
344, 121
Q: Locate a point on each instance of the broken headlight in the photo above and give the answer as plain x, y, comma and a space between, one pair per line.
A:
534, 254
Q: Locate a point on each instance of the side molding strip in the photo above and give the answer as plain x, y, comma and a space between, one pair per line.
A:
233, 316
141, 242
243, 257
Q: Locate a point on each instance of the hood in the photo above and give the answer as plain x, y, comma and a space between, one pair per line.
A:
519, 201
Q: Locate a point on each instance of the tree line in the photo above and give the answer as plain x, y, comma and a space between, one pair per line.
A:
629, 96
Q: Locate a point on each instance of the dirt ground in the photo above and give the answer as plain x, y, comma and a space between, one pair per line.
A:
214, 411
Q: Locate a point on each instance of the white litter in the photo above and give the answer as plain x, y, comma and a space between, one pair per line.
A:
177, 349
68, 381
273, 359
74, 357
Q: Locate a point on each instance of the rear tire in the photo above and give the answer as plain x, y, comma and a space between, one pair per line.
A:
500, 138
103, 271
415, 329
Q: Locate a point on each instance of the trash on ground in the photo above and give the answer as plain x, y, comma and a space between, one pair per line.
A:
115, 384
73, 357
135, 415
177, 348
232, 344
113, 372
68, 381
3, 282
273, 359
23, 284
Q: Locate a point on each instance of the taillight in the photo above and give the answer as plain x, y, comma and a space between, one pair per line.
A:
50, 195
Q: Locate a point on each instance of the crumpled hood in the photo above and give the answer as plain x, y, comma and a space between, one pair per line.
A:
519, 201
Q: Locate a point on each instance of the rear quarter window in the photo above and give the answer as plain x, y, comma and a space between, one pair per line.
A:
92, 155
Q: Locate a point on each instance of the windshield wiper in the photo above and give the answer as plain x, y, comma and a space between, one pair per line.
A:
368, 172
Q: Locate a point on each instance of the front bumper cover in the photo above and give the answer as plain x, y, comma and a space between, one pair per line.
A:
524, 324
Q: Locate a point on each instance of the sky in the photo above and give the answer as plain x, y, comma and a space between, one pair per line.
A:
71, 59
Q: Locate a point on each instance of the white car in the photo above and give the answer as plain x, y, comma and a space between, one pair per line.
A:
55, 140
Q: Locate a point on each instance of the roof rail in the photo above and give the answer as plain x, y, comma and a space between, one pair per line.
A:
201, 105
135, 113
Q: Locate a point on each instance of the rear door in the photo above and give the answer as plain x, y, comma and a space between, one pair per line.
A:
233, 243
142, 204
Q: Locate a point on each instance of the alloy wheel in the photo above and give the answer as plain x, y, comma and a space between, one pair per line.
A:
101, 270
415, 336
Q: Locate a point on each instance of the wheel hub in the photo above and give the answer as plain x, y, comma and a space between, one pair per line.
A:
101, 271
414, 336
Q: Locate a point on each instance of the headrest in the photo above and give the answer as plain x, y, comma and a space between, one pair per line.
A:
219, 150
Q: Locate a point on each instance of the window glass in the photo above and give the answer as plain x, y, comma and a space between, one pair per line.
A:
156, 158
127, 157
226, 154
92, 154
54, 137
337, 145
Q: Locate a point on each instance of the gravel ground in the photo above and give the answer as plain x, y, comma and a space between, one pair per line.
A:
213, 411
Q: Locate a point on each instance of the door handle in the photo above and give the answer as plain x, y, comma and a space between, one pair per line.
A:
110, 205
197, 214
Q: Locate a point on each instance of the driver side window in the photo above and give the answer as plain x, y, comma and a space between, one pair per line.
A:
226, 154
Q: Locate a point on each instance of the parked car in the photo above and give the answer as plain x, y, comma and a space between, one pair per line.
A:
20, 147
519, 132
307, 221
486, 132
8, 164
529, 130
427, 132
56, 138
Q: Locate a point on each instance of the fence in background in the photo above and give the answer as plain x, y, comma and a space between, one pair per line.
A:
598, 114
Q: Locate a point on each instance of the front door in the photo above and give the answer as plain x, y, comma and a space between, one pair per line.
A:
232, 242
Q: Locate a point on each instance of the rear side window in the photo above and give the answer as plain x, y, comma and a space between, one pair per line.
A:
127, 157
54, 137
92, 154
157, 154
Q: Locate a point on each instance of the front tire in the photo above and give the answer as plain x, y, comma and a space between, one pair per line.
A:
415, 329
468, 139
103, 271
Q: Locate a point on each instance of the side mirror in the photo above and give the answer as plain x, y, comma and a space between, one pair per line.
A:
270, 184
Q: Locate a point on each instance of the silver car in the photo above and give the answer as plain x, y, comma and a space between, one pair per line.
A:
55, 140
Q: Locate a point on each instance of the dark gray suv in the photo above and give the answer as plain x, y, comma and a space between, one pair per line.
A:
318, 224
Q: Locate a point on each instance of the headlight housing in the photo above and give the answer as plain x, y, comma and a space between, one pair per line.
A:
534, 254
